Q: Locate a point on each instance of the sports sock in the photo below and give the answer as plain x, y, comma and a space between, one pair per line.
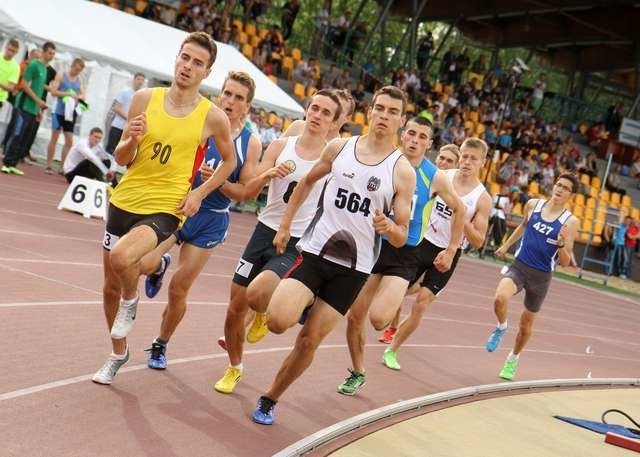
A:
129, 302
513, 356
163, 265
502, 326
161, 342
120, 356
238, 367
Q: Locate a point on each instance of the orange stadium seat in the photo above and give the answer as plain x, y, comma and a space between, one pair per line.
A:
534, 188
311, 91
411, 108
250, 29
635, 213
626, 201
473, 116
615, 199
593, 192
299, 91
585, 179
296, 54
141, 5
262, 32
238, 23
437, 88
287, 65
595, 181
494, 188
578, 211
579, 199
243, 38
287, 122
255, 40
517, 209
480, 128
247, 51
358, 118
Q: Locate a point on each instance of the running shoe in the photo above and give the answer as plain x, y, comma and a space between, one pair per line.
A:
509, 369
13, 170
228, 382
108, 371
153, 282
387, 335
258, 329
264, 413
123, 322
5, 169
389, 359
352, 384
157, 358
494, 339
222, 342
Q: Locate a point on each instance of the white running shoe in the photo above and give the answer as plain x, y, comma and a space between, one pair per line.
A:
108, 371
123, 323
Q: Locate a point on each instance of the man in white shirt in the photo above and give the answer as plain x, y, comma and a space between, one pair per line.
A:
89, 159
121, 108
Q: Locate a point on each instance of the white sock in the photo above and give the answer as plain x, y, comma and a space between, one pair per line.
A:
513, 356
502, 326
163, 265
238, 367
119, 356
129, 302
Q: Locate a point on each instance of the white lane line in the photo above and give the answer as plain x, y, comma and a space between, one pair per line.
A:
26, 251
79, 220
96, 302
46, 278
47, 235
77, 379
32, 190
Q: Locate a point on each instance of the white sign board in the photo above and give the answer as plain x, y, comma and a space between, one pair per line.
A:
630, 132
87, 197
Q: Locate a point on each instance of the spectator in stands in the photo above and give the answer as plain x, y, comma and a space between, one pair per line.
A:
88, 158
272, 133
307, 73
359, 96
595, 134
615, 114
121, 110
322, 27
368, 77
505, 139
424, 49
448, 66
631, 240
539, 88
620, 260
498, 217
289, 13
9, 75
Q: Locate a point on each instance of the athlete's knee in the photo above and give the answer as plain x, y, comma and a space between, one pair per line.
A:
307, 343
356, 318
178, 288
111, 288
276, 324
500, 300
255, 297
380, 321
120, 259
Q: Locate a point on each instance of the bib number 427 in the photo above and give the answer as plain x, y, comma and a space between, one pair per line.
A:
353, 202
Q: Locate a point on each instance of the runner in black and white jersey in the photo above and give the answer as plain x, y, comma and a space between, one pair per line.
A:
285, 162
367, 178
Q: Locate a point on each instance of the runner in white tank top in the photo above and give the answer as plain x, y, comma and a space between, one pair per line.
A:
471, 191
261, 267
367, 176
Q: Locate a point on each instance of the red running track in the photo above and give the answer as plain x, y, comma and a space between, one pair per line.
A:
54, 338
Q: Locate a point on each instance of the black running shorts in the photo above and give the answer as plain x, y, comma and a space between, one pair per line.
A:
335, 284
120, 222
434, 280
401, 262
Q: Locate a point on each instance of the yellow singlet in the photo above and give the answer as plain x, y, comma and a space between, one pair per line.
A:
167, 158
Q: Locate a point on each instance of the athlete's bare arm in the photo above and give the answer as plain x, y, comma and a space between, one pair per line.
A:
266, 170
134, 128
443, 187
217, 125
519, 231
396, 229
476, 229
236, 191
566, 238
321, 169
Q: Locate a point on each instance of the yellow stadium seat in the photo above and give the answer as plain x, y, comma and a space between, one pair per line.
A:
238, 23
544, 156
141, 5
585, 179
358, 118
589, 212
287, 65
591, 203
287, 122
480, 128
604, 196
579, 199
598, 227
578, 211
250, 29
601, 215
272, 118
473, 116
299, 91
517, 209
587, 224
448, 89
626, 201
311, 91
615, 199
469, 125
437, 88
593, 192
243, 38
255, 40
635, 213
595, 181
494, 188
263, 32
247, 51
296, 54
411, 108
534, 188
533, 152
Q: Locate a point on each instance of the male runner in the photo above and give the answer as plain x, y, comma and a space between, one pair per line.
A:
208, 227
367, 178
165, 129
285, 162
548, 231
348, 105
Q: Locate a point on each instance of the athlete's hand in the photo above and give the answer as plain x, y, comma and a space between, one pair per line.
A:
190, 204
206, 171
501, 252
138, 127
281, 240
561, 235
381, 223
279, 171
443, 260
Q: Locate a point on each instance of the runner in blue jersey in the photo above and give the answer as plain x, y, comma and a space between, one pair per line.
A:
396, 267
208, 227
548, 231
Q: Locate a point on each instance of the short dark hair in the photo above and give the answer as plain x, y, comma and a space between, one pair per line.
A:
570, 177
345, 95
139, 73
393, 92
332, 95
95, 130
13, 42
48, 45
243, 78
421, 121
205, 41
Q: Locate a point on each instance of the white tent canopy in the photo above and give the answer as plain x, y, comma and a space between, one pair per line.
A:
126, 42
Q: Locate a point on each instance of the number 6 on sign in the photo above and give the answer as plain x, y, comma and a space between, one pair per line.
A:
85, 196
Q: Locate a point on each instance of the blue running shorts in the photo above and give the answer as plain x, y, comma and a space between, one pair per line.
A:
206, 229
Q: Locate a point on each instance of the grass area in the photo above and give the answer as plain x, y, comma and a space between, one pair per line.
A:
591, 282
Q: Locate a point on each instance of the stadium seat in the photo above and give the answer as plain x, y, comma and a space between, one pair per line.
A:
262, 32
299, 91
494, 188
473, 116
517, 209
591, 202
129, 10
255, 40
533, 152
238, 23
593, 192
635, 213
247, 51
578, 211
358, 118
287, 122
595, 181
311, 91
579, 199
534, 188
544, 156
469, 125
141, 5
272, 118
604, 195
296, 54
480, 128
437, 88
250, 29
585, 179
626, 201
411, 108
243, 38
287, 65
615, 199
